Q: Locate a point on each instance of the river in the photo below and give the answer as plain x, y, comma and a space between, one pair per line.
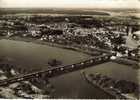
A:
70, 85
35, 55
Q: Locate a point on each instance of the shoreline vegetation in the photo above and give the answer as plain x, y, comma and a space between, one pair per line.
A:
31, 40
119, 60
29, 89
84, 76
111, 86
93, 32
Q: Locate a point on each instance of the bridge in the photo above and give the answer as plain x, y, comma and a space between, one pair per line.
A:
55, 71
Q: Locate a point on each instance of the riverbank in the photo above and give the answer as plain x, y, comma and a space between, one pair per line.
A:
112, 86
28, 89
85, 77
10, 47
38, 41
96, 52
131, 63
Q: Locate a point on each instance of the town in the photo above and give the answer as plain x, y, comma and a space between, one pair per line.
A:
93, 35
83, 31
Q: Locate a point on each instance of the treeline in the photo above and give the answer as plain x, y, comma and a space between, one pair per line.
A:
51, 11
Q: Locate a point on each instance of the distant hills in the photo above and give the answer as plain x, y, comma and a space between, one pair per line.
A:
68, 11
51, 11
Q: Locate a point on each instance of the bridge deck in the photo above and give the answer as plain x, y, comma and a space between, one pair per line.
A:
55, 71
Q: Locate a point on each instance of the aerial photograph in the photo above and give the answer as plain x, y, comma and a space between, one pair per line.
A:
70, 49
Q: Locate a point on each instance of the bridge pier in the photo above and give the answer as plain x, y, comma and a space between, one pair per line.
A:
50, 72
37, 75
72, 66
62, 68
59, 70
91, 61
82, 63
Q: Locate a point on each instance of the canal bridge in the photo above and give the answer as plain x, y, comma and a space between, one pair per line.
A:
55, 71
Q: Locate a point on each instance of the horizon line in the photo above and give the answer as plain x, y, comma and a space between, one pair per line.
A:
66, 8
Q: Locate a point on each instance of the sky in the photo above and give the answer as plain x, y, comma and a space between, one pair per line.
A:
70, 3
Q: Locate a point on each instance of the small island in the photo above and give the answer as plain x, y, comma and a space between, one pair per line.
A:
54, 62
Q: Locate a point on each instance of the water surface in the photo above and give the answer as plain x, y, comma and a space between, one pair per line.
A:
71, 85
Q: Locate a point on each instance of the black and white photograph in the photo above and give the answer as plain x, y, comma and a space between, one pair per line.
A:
70, 49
